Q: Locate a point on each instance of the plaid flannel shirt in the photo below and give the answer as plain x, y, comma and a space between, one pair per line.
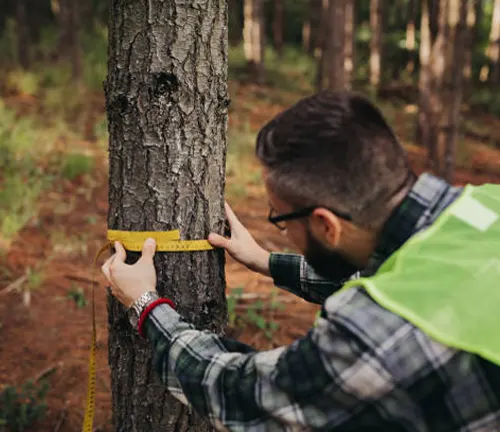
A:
362, 368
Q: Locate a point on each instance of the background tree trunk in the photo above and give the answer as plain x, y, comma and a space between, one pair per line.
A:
22, 34
350, 36
278, 26
424, 122
494, 45
471, 20
69, 26
166, 96
376, 26
322, 41
235, 26
254, 38
410, 34
336, 47
453, 32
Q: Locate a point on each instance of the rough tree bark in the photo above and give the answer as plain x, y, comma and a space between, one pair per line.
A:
376, 26
278, 26
254, 38
448, 63
166, 97
336, 46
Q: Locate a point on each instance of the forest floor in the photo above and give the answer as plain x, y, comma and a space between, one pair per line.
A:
46, 331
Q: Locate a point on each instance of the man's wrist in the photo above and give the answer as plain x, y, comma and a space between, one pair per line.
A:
135, 311
261, 264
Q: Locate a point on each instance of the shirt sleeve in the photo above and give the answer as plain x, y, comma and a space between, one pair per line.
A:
318, 382
292, 273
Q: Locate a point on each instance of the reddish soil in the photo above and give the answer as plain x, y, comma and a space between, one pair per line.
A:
53, 333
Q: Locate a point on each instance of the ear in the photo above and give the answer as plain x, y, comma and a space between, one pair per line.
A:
325, 225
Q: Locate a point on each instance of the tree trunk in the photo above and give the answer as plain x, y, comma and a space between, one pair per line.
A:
336, 47
410, 34
471, 20
22, 34
433, 18
447, 67
278, 26
254, 38
69, 26
376, 27
311, 29
424, 122
235, 26
321, 51
166, 98
350, 34
493, 50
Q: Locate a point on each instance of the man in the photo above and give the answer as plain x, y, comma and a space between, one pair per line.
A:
341, 186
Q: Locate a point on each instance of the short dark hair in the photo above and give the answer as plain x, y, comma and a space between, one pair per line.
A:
334, 149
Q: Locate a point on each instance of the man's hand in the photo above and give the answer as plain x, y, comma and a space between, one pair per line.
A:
129, 282
242, 246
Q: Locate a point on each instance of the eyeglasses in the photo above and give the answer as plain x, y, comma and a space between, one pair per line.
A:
277, 220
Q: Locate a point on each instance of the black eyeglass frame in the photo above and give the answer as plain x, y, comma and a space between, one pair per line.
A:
275, 220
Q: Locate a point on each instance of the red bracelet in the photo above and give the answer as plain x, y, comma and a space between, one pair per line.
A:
148, 309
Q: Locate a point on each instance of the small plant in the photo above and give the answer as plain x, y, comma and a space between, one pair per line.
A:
21, 407
232, 302
75, 165
77, 294
255, 315
260, 313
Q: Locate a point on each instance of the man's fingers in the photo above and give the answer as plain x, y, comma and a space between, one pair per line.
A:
121, 254
217, 240
106, 266
148, 250
232, 218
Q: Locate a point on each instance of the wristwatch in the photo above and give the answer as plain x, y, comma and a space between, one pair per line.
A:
134, 312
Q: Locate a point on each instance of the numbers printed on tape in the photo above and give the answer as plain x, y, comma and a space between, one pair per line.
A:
166, 241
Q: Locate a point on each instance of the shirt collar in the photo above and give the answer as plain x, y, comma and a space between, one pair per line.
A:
421, 205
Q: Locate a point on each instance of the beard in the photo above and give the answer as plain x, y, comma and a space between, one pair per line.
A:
328, 263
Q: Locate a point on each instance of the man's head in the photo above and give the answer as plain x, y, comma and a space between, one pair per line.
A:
335, 154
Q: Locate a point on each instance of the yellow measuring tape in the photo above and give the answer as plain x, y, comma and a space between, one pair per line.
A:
166, 241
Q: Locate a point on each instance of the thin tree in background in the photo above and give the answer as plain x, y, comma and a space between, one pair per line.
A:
336, 46
166, 98
376, 28
424, 121
473, 13
254, 38
322, 41
447, 62
22, 34
350, 39
69, 26
311, 26
410, 40
491, 71
278, 26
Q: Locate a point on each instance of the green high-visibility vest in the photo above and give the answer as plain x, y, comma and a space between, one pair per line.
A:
446, 280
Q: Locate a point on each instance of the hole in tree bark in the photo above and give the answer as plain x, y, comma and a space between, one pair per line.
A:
164, 83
